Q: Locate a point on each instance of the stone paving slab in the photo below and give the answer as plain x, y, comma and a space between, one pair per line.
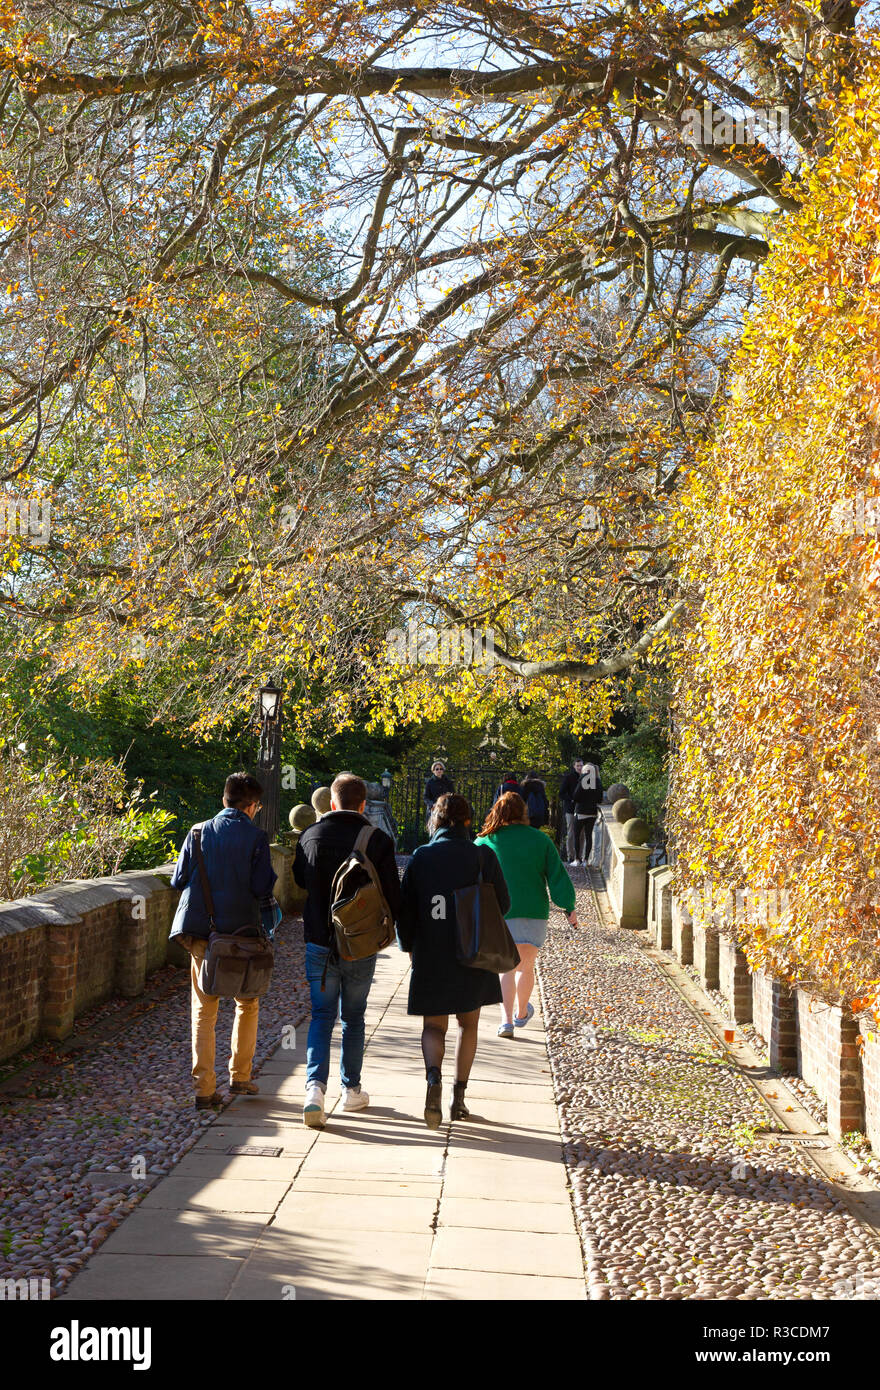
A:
206, 1164
471, 1284
502, 1251
376, 1206
502, 1215
185, 1233
322, 1262
393, 1211
215, 1194
161, 1277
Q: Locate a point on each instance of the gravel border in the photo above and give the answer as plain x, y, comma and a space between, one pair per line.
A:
676, 1195
101, 1124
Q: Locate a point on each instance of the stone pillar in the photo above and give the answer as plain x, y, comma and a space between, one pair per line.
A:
682, 933
660, 906
705, 947
59, 995
782, 1042
871, 1077
131, 948
734, 979
378, 811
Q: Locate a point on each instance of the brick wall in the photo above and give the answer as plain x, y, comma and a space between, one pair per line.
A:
828, 1058
65, 950
22, 966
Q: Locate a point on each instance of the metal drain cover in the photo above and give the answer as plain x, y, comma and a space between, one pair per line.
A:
805, 1141
254, 1151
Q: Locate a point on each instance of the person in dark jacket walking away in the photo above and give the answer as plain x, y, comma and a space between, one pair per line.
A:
566, 805
510, 784
585, 799
426, 928
534, 794
339, 988
437, 785
240, 877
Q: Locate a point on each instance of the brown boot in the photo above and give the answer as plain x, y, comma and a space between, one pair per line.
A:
244, 1088
206, 1102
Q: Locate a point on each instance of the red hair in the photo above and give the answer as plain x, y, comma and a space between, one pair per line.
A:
509, 809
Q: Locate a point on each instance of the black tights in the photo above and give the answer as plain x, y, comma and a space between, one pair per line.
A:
434, 1042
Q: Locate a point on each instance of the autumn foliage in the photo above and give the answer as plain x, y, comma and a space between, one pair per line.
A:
778, 696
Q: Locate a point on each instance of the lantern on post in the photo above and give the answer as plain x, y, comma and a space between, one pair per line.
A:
269, 758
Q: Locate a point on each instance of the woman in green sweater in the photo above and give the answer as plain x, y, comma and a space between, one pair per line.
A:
534, 873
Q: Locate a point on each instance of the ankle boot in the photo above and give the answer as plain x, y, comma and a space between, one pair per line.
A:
459, 1110
433, 1099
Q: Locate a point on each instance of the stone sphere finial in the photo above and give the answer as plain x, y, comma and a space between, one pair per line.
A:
301, 817
624, 810
616, 792
635, 831
321, 800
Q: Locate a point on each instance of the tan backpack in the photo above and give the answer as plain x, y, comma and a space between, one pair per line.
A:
360, 916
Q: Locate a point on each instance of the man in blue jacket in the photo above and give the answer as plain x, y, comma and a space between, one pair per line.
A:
239, 869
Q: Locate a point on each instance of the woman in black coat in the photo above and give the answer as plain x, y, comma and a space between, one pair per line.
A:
426, 928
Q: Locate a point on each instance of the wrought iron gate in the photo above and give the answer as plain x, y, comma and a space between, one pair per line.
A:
478, 784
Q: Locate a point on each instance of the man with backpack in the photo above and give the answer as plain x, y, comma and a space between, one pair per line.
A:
348, 870
225, 871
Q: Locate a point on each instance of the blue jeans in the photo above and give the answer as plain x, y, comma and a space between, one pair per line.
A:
344, 996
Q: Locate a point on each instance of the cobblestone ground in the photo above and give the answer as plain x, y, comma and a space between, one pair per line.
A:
67, 1148
676, 1195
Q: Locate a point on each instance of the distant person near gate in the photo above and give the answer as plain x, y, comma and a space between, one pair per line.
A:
534, 793
585, 799
509, 784
566, 805
437, 785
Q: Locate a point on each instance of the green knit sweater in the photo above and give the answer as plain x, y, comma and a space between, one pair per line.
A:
531, 865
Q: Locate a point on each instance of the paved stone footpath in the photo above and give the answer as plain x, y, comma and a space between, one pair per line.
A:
678, 1194
376, 1206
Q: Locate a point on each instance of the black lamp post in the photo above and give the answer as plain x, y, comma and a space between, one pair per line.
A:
386, 780
269, 758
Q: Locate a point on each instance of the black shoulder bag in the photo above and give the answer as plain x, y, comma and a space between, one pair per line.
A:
482, 937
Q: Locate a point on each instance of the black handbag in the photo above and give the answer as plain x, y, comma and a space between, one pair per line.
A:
236, 966
482, 937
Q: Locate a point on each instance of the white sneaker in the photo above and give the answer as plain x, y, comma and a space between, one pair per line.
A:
354, 1098
313, 1109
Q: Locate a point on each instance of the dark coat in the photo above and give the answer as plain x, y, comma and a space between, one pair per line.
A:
435, 787
586, 798
567, 789
509, 786
320, 851
240, 873
534, 794
426, 925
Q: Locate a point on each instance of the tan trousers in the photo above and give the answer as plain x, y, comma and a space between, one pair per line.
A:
204, 1019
